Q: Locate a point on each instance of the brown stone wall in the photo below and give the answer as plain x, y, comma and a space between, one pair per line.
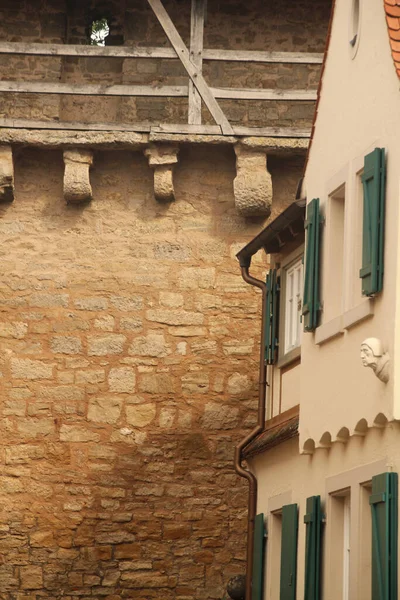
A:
251, 25
128, 359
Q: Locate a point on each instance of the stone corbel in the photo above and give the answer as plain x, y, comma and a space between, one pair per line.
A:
6, 174
77, 188
162, 158
253, 183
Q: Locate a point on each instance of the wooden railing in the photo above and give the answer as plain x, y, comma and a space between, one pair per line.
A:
196, 91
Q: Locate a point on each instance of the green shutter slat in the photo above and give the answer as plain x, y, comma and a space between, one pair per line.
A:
383, 501
311, 301
271, 317
313, 521
374, 182
258, 561
290, 526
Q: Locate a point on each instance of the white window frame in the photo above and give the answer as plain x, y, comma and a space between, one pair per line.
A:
288, 354
292, 304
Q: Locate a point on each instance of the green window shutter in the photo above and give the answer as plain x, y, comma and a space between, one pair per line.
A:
258, 561
271, 317
311, 300
383, 501
313, 521
290, 524
373, 180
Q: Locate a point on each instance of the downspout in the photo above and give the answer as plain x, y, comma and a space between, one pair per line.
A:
240, 470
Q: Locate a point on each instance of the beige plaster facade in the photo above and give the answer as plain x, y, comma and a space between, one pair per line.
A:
348, 417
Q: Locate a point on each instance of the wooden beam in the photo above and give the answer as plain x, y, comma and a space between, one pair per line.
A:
196, 56
190, 129
74, 125
263, 57
157, 52
41, 87
80, 50
167, 128
263, 94
194, 74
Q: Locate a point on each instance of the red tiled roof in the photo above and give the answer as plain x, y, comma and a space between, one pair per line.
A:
392, 9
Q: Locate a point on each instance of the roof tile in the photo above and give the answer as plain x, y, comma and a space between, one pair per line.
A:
395, 46
394, 35
393, 22
393, 11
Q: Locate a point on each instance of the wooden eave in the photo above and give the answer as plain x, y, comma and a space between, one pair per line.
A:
277, 430
282, 230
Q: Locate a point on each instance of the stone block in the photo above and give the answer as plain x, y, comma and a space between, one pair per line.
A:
195, 383
162, 158
96, 303
122, 379
153, 344
74, 433
13, 329
77, 188
31, 577
6, 174
63, 344
103, 345
253, 182
104, 409
219, 416
238, 384
160, 383
175, 317
141, 414
24, 368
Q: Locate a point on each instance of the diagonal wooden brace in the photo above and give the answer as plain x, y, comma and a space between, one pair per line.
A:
193, 72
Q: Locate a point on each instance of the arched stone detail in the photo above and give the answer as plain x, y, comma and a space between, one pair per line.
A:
308, 447
361, 428
343, 435
325, 441
380, 421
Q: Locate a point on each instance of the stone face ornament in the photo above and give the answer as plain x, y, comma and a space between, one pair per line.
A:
77, 188
162, 158
373, 356
253, 183
6, 174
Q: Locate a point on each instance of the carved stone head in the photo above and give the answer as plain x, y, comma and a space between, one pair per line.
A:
373, 355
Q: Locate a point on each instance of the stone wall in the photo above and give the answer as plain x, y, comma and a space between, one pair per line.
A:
250, 25
128, 358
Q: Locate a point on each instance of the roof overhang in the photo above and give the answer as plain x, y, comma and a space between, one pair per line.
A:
282, 230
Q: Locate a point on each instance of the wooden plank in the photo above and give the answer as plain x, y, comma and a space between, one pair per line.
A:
263, 94
88, 51
196, 56
263, 57
190, 129
295, 132
40, 87
74, 125
194, 74
186, 129
157, 52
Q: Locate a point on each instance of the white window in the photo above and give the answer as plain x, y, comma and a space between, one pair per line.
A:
292, 304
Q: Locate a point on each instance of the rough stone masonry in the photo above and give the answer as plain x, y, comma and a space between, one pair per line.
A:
128, 341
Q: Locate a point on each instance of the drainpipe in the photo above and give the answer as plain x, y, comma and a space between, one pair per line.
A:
240, 470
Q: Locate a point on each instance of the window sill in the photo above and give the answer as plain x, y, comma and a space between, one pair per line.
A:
289, 357
347, 320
